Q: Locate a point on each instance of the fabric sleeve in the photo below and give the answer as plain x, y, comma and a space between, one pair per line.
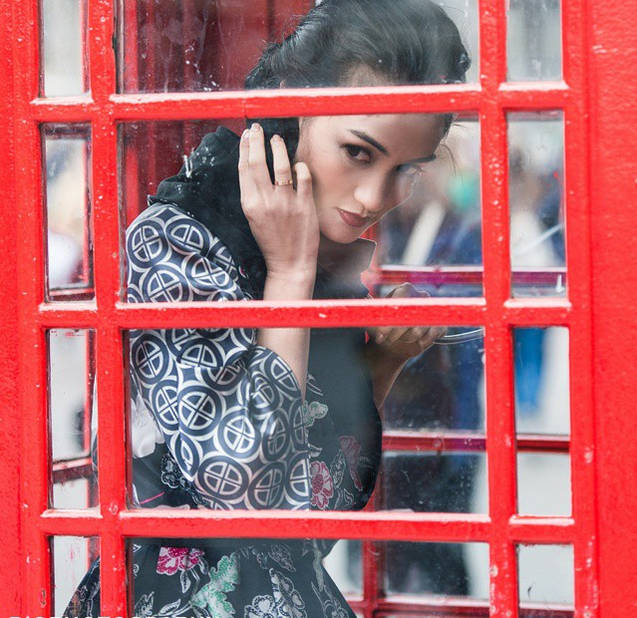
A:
230, 411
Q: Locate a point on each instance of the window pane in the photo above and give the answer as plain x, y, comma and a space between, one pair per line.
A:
453, 569
439, 225
74, 577
534, 40
63, 63
546, 578
544, 484
71, 408
536, 201
157, 160
448, 482
69, 242
217, 421
164, 46
541, 364
442, 388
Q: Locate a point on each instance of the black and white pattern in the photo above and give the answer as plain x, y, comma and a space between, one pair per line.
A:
229, 410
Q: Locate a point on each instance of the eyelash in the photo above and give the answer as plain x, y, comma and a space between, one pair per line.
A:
353, 152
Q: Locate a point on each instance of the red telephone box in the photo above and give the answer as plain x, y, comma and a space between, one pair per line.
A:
595, 98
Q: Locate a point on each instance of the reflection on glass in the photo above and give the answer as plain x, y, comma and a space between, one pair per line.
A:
69, 255
441, 388
165, 46
449, 482
546, 578
541, 376
344, 565
63, 71
72, 556
71, 390
439, 223
453, 569
534, 40
544, 484
536, 200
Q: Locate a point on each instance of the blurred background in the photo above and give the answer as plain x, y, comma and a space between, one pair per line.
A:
433, 240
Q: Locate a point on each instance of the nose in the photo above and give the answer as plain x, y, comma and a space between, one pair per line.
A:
374, 195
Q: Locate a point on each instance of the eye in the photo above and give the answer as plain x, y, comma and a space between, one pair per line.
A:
358, 153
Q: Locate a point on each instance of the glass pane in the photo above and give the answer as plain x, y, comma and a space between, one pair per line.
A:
450, 569
447, 482
356, 182
251, 577
534, 40
63, 61
69, 242
217, 421
71, 403
536, 199
166, 46
442, 388
544, 484
546, 578
75, 575
439, 225
541, 380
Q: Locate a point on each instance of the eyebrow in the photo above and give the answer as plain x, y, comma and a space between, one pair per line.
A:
370, 140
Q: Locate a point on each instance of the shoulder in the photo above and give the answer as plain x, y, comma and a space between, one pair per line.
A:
164, 242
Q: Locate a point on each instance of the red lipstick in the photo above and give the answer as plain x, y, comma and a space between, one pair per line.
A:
351, 219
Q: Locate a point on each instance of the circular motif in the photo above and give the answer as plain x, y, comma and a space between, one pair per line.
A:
189, 234
146, 243
149, 357
165, 283
276, 436
165, 405
200, 409
238, 436
298, 481
266, 488
222, 478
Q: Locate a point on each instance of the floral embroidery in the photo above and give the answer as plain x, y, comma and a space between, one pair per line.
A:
173, 559
262, 606
281, 555
288, 600
322, 485
222, 579
312, 412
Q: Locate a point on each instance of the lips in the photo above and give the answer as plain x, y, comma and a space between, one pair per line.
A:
351, 219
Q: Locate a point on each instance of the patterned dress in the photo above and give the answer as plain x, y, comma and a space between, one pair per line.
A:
218, 422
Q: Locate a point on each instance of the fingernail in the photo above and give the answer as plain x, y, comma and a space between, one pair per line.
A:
275, 138
256, 127
245, 134
380, 337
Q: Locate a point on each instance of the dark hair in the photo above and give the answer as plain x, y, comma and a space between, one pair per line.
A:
400, 41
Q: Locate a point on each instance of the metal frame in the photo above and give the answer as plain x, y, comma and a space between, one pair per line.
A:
597, 83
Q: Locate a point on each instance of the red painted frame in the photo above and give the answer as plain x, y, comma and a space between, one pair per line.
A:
598, 83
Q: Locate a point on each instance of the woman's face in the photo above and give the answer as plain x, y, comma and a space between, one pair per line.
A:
364, 166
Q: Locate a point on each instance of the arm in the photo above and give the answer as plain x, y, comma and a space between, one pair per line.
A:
284, 224
389, 348
228, 409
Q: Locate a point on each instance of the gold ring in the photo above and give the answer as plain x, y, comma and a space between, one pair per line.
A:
283, 183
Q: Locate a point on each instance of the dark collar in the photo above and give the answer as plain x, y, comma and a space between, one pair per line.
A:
209, 192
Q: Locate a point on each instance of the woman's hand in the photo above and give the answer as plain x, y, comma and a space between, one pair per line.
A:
283, 220
402, 343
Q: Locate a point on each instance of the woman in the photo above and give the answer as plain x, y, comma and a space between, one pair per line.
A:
230, 418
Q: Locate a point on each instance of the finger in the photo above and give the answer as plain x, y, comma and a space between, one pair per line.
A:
281, 162
246, 185
405, 290
303, 183
396, 333
256, 157
413, 334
